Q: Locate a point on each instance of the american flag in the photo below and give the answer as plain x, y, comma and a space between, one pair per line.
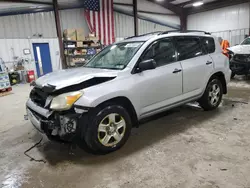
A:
100, 18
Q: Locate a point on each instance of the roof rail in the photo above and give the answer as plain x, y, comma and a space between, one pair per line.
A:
186, 31
151, 33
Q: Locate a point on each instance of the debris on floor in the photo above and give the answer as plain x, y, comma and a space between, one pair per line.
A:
186, 148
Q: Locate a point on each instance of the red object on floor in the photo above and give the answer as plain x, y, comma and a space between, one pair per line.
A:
6, 89
31, 76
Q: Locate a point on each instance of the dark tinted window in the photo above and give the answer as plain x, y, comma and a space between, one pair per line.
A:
208, 44
246, 42
188, 47
163, 52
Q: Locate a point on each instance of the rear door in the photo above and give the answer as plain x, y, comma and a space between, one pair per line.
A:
196, 63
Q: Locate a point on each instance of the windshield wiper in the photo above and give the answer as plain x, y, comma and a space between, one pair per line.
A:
112, 68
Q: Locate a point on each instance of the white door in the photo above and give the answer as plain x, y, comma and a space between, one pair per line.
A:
159, 87
196, 63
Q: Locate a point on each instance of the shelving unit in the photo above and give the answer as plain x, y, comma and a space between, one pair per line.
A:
77, 53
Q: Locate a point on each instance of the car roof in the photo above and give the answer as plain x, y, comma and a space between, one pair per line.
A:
146, 37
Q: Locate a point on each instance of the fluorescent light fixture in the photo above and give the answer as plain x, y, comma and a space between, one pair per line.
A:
198, 3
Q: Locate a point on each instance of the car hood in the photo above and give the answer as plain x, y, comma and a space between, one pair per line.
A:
68, 77
240, 49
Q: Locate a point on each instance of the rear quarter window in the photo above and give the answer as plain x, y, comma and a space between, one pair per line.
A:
208, 44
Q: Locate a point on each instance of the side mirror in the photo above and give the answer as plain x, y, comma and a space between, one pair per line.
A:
147, 65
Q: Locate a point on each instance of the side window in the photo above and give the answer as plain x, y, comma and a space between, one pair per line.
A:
188, 47
208, 44
162, 51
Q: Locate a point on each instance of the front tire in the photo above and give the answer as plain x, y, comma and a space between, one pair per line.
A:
108, 129
212, 96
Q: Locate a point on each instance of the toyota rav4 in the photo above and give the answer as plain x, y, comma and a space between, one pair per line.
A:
98, 104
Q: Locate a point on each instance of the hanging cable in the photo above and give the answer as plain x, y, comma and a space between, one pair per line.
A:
31, 158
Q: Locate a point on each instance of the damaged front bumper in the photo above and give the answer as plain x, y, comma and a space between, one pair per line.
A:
56, 125
240, 68
36, 114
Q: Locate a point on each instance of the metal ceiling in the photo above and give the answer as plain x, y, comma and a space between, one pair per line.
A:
10, 7
179, 7
186, 6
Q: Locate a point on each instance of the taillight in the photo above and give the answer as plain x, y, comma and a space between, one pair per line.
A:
226, 54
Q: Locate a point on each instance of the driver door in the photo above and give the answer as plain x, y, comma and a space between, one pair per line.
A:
160, 87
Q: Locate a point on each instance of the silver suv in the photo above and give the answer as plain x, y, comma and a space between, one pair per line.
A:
98, 104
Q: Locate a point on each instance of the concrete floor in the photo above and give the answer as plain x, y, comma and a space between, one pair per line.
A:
183, 148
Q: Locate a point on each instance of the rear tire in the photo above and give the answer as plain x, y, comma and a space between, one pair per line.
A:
212, 96
107, 130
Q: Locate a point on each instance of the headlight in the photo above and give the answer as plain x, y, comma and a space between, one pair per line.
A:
65, 101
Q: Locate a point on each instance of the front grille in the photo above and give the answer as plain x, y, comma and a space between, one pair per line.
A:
241, 58
38, 96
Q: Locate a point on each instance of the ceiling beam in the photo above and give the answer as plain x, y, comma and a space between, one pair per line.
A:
214, 5
135, 11
145, 11
166, 4
28, 1
186, 3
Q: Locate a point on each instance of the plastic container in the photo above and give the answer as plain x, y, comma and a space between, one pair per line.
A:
31, 76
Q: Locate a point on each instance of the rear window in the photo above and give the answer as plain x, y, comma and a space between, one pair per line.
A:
208, 44
188, 47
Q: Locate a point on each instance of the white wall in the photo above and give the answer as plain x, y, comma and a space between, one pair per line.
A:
230, 23
227, 18
14, 47
156, 14
124, 26
27, 25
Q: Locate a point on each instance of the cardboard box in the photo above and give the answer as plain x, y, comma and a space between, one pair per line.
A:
84, 51
94, 39
19, 67
94, 44
69, 34
91, 35
80, 34
79, 44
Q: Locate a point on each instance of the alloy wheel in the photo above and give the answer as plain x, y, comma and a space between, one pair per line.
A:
214, 94
111, 130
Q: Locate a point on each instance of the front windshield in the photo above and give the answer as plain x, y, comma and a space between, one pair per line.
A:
115, 56
246, 42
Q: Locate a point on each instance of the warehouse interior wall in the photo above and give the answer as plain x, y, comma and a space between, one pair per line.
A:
11, 50
18, 32
124, 26
231, 23
152, 17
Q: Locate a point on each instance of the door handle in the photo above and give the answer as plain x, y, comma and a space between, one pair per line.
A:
177, 70
209, 62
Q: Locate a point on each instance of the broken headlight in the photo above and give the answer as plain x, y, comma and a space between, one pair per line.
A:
65, 101
231, 54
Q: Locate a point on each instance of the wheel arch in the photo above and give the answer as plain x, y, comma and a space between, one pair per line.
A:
221, 76
126, 103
